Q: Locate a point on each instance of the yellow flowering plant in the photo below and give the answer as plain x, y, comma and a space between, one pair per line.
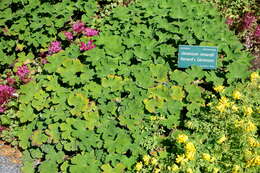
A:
222, 137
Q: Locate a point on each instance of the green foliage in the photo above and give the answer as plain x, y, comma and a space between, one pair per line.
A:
95, 110
234, 8
29, 25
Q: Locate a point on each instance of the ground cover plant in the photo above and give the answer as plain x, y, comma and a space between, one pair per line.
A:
107, 96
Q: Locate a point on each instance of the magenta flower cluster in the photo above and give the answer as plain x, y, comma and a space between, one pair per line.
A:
6, 92
54, 47
23, 73
257, 31
229, 21
68, 35
90, 32
84, 46
79, 27
248, 20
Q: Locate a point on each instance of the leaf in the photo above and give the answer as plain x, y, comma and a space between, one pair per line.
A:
92, 120
48, 166
69, 70
143, 77
55, 61
58, 157
38, 138
123, 142
28, 167
24, 135
36, 153
152, 104
27, 92
113, 82
181, 78
177, 93
25, 113
53, 133
159, 72
80, 103
237, 70
194, 93
107, 168
141, 53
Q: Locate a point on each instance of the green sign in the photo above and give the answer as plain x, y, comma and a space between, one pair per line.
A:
203, 56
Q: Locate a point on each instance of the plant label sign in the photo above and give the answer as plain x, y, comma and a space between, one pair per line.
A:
203, 56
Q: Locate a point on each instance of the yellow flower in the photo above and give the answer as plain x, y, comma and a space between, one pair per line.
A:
139, 166
254, 76
219, 88
236, 169
250, 127
234, 108
153, 161
189, 147
247, 154
182, 138
224, 101
215, 170
206, 156
156, 170
189, 170
181, 159
190, 155
253, 162
221, 107
236, 95
257, 161
253, 142
248, 110
146, 159
238, 123
222, 139
153, 118
174, 167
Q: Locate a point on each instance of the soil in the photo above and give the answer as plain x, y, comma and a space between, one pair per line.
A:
13, 154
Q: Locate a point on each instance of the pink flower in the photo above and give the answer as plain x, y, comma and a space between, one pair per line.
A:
10, 81
88, 46
2, 127
2, 110
6, 92
55, 47
229, 21
257, 31
90, 32
68, 35
23, 72
248, 20
78, 27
